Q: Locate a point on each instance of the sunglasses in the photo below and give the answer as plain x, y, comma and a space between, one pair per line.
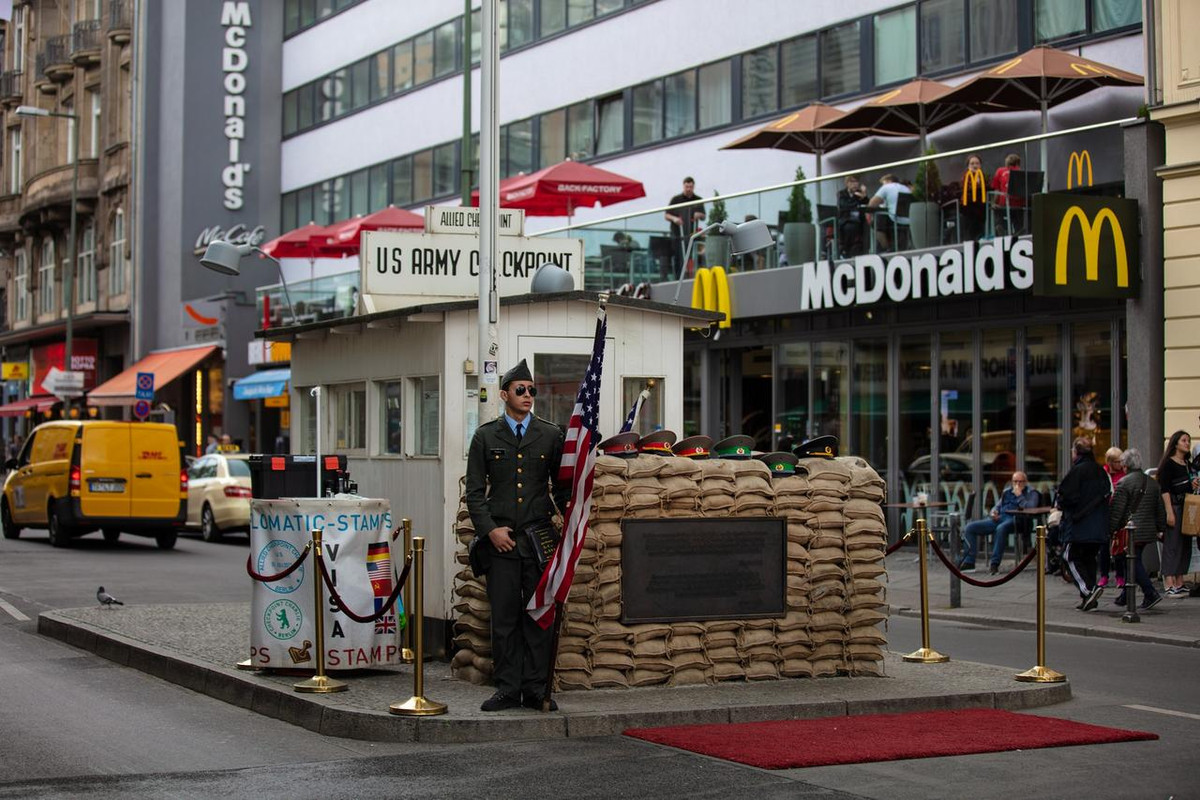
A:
520, 391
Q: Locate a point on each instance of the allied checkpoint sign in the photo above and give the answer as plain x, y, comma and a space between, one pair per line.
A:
364, 564
401, 269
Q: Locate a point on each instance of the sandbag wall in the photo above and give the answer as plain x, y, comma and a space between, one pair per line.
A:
835, 569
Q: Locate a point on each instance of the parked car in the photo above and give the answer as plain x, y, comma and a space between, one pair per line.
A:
74, 477
218, 500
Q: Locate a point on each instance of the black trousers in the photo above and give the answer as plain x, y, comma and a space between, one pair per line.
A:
1081, 563
520, 647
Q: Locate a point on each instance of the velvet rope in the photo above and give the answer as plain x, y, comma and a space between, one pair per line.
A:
271, 578
985, 584
899, 544
337, 598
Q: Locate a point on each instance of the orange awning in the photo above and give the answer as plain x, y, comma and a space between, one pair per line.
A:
38, 404
167, 365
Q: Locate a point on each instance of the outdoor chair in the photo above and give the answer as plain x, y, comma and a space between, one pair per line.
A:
883, 220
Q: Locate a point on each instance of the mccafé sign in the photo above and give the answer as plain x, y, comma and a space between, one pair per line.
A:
1087, 246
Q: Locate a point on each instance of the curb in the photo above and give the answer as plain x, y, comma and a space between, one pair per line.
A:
1099, 632
323, 714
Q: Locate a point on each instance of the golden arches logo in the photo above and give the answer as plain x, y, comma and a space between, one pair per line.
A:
1091, 245
710, 291
1005, 67
1088, 70
974, 189
1075, 165
783, 123
883, 98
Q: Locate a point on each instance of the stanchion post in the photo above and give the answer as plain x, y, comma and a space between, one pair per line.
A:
418, 705
1040, 673
926, 654
1131, 614
406, 652
319, 683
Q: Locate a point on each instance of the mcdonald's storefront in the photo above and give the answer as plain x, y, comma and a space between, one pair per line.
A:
980, 357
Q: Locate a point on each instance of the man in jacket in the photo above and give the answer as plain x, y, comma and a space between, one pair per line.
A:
1083, 496
1136, 506
511, 466
1000, 523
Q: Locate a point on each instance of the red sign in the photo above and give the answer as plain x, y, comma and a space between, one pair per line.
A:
83, 359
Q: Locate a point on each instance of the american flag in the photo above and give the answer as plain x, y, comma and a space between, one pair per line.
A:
579, 467
631, 417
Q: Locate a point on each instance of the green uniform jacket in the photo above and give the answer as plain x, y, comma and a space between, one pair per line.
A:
509, 485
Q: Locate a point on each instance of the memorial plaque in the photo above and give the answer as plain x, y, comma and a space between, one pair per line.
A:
677, 570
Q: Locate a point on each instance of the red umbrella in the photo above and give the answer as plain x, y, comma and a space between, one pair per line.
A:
559, 190
342, 238
295, 244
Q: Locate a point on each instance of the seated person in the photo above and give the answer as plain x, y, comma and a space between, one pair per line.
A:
890, 188
851, 217
1001, 522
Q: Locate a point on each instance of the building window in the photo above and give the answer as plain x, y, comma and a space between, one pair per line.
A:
350, 416
359, 194
422, 175
116, 258
579, 12
423, 58
760, 81
553, 137
85, 265
72, 133
516, 23
943, 35
553, 17
1058, 18
334, 93
360, 84
716, 94
18, 19
445, 170
1106, 15
680, 104
579, 131
993, 28
840, 60
895, 46
427, 410
391, 433
379, 188
14, 161
46, 278
799, 57
446, 48
21, 285
647, 113
610, 124
520, 147
94, 118
402, 181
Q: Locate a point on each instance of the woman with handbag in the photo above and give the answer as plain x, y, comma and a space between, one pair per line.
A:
1175, 483
1116, 471
1138, 513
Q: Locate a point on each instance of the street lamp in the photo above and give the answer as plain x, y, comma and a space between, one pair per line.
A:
225, 258
69, 276
745, 237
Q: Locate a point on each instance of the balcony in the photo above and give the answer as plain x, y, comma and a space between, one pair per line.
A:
120, 21
331, 297
47, 195
54, 63
85, 43
12, 85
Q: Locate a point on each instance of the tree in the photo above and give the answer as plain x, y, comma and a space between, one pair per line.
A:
928, 184
718, 214
799, 208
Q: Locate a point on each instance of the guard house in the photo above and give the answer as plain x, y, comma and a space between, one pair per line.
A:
400, 394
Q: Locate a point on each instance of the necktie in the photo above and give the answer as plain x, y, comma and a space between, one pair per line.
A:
520, 433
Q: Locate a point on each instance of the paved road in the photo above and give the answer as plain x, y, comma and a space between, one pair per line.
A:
74, 725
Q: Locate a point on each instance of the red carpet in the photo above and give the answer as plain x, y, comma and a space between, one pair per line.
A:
788, 744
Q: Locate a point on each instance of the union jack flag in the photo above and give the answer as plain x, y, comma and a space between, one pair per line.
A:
579, 467
379, 572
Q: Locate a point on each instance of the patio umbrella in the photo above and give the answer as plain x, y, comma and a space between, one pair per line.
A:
296, 243
1036, 80
816, 128
342, 238
915, 108
558, 190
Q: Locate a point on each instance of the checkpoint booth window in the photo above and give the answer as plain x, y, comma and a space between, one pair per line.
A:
558, 362
306, 408
426, 433
651, 415
391, 406
349, 412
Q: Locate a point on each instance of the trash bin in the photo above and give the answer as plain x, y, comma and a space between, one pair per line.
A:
273, 477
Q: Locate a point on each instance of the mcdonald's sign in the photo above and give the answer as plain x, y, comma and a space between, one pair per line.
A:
1075, 168
974, 187
710, 292
1085, 246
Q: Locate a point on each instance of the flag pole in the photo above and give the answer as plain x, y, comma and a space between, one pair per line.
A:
559, 609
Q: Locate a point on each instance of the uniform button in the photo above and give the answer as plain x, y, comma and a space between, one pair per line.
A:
518, 486
520, 499
519, 455
518, 470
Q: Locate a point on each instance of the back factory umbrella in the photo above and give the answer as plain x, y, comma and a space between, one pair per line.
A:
560, 190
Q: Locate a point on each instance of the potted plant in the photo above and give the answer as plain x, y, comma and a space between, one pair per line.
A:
799, 233
716, 245
925, 213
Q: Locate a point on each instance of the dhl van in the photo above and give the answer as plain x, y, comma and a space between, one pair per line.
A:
74, 477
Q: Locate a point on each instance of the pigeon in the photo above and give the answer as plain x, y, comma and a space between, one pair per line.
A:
107, 599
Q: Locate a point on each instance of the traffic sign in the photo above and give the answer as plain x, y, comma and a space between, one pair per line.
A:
145, 386
141, 409
62, 383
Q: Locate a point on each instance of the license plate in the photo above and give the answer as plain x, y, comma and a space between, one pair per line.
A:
106, 486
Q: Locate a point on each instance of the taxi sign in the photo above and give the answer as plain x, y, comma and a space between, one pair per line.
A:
228, 448
145, 386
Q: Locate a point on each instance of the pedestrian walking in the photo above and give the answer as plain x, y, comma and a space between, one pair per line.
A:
1137, 509
1083, 498
1175, 481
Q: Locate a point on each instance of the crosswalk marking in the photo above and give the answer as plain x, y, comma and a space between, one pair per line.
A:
1166, 711
13, 611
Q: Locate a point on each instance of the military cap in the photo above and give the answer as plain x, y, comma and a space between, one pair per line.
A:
738, 448
518, 373
818, 447
623, 445
781, 464
658, 443
694, 447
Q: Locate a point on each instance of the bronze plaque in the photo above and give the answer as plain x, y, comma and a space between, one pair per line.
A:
677, 570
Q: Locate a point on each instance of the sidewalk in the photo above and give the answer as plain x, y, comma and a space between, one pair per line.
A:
197, 646
1014, 605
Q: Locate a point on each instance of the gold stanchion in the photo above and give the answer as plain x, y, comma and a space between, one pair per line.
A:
406, 652
319, 683
418, 705
1041, 673
926, 654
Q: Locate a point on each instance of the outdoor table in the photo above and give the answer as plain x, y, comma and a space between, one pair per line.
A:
1033, 514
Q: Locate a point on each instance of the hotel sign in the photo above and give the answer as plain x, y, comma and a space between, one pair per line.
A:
1087, 246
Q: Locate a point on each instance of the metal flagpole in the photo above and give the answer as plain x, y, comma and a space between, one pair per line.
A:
489, 197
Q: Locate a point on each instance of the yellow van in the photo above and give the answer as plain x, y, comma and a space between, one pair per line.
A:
73, 477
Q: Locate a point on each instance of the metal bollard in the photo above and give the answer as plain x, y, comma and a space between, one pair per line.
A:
926, 654
418, 705
319, 683
1131, 614
406, 652
1041, 673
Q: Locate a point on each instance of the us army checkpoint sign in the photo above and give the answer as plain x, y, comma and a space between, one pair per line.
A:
362, 561
402, 269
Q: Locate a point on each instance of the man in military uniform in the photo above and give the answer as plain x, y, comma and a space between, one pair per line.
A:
512, 466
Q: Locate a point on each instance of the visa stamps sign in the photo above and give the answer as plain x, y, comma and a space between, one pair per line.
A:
427, 267
363, 565
1087, 246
